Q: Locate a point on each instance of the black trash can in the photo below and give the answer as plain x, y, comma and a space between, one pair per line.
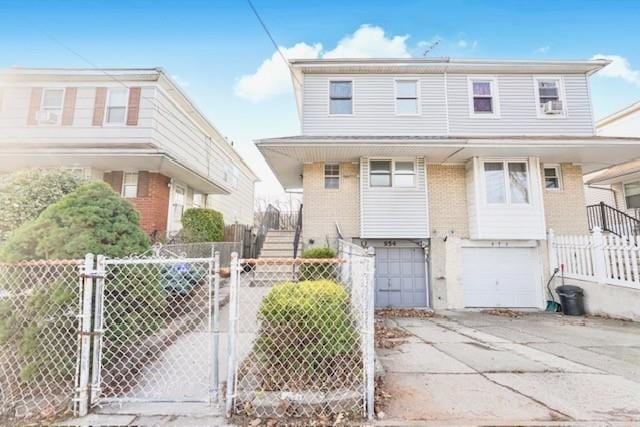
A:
571, 300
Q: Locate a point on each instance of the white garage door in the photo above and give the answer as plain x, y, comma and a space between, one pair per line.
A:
501, 277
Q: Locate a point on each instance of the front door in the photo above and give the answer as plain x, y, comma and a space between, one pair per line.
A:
401, 277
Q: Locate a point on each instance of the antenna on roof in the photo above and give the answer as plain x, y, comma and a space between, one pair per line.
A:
431, 47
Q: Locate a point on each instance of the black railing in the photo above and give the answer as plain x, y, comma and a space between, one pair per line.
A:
296, 237
612, 220
270, 221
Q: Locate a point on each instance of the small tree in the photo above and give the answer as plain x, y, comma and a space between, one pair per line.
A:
202, 225
25, 194
91, 219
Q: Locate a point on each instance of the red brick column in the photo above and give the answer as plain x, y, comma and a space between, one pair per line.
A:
154, 207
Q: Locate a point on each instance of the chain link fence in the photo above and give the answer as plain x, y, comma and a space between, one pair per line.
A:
301, 340
40, 309
197, 250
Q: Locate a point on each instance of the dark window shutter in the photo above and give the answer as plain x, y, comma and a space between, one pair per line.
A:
134, 106
69, 107
34, 106
114, 179
143, 184
98, 109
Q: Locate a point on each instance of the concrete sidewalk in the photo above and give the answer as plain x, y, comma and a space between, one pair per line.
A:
473, 368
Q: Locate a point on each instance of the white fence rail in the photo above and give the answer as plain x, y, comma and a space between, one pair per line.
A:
599, 258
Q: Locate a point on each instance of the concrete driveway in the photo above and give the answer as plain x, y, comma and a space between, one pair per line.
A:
475, 368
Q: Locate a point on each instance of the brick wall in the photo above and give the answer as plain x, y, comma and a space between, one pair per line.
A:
565, 210
447, 200
323, 208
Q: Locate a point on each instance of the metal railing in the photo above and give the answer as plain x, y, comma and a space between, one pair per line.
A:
296, 237
612, 220
270, 221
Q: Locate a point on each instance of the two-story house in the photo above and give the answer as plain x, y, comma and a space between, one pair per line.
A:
453, 170
136, 129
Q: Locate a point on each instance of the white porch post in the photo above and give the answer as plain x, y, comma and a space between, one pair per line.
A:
553, 255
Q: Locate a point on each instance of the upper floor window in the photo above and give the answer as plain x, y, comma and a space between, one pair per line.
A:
632, 195
549, 97
406, 97
388, 173
341, 97
483, 97
130, 185
116, 108
51, 106
331, 176
552, 177
506, 182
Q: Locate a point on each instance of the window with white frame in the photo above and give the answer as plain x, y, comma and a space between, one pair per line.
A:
549, 96
506, 182
404, 173
406, 97
552, 177
198, 199
51, 106
116, 108
632, 195
331, 176
483, 97
178, 203
380, 173
130, 185
341, 97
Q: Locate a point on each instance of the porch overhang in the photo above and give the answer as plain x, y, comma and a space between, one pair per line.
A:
148, 159
286, 156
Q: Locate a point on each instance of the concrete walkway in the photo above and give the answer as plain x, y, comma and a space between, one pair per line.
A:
470, 368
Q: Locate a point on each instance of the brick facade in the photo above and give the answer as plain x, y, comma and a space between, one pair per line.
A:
323, 208
446, 187
565, 210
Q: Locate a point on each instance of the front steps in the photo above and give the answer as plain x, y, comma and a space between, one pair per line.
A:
279, 244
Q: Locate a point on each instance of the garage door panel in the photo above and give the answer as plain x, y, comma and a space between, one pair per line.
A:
501, 277
400, 277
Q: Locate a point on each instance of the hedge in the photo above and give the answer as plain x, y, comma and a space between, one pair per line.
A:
318, 271
202, 225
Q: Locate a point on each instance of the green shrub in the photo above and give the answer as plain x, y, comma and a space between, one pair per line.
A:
91, 219
306, 333
202, 225
319, 270
25, 194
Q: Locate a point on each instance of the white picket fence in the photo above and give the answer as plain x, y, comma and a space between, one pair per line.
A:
607, 259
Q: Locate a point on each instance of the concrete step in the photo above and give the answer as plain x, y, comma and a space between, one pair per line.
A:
280, 245
276, 253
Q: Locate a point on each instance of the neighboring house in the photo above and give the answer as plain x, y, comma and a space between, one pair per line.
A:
453, 170
618, 186
133, 128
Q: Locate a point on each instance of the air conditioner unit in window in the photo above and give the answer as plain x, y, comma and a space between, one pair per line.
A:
47, 117
552, 107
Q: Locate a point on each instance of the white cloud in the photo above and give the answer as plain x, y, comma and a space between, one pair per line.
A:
462, 43
619, 68
272, 76
542, 49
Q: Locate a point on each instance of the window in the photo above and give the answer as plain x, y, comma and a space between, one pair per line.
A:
406, 97
198, 198
506, 182
404, 174
483, 97
549, 97
178, 203
552, 179
340, 97
380, 173
116, 106
632, 195
130, 185
51, 107
331, 176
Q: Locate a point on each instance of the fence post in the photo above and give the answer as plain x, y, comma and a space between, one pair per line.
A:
370, 332
233, 297
551, 246
599, 259
85, 335
216, 325
98, 316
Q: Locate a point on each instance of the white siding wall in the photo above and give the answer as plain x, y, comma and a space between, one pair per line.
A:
628, 125
374, 107
492, 221
237, 206
394, 212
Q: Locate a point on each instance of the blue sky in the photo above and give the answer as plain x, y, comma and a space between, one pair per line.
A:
215, 49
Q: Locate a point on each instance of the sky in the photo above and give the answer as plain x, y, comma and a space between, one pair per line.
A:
218, 52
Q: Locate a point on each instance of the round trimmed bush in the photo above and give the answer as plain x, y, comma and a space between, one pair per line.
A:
202, 225
25, 194
91, 219
315, 271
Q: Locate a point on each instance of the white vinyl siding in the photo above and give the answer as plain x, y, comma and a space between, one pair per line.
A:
394, 212
506, 220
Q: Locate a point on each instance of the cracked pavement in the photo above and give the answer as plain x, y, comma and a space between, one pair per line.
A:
540, 368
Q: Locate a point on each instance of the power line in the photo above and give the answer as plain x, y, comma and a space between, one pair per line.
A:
273, 41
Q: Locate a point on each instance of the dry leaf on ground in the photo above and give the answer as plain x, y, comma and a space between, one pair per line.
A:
403, 312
